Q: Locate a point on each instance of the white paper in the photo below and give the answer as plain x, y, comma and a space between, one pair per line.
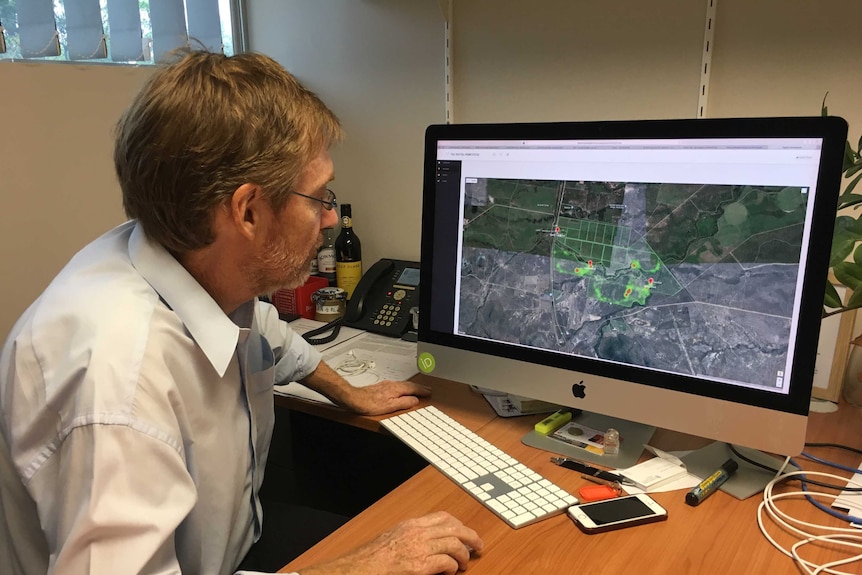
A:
655, 474
850, 500
362, 360
503, 406
684, 482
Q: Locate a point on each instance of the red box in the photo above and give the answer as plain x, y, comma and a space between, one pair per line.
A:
297, 301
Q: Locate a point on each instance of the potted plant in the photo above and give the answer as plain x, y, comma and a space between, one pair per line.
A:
845, 263
846, 271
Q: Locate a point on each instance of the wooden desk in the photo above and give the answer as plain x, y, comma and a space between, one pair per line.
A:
719, 536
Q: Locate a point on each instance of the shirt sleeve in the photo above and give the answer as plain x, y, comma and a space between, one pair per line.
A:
295, 358
124, 493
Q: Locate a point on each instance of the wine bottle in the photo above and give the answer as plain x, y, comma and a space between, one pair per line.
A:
326, 257
313, 269
348, 254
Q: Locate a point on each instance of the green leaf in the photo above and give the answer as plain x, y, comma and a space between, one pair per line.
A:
849, 157
841, 248
852, 184
848, 199
831, 299
844, 238
857, 255
855, 299
823, 110
849, 274
852, 169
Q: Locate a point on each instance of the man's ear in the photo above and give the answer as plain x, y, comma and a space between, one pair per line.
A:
247, 206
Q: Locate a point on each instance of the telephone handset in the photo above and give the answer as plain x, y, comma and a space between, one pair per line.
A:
383, 297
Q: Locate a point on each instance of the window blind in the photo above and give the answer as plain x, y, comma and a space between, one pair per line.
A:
37, 30
205, 24
168, 19
85, 38
127, 40
115, 30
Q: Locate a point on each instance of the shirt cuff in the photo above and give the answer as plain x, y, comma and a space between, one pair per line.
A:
300, 359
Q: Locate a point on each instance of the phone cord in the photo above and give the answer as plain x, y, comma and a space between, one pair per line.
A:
334, 325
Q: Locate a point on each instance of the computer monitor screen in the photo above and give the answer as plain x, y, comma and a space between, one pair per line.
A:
666, 272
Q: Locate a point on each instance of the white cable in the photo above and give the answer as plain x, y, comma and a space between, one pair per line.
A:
847, 537
353, 366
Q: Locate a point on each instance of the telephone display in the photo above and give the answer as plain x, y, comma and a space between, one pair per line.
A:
382, 300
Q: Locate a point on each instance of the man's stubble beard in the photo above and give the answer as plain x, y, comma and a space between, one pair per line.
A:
280, 267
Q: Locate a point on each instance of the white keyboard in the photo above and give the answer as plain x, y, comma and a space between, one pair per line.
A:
513, 491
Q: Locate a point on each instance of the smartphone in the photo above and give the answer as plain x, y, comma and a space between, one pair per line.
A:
617, 513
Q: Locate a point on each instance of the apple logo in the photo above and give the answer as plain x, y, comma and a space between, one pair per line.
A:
579, 390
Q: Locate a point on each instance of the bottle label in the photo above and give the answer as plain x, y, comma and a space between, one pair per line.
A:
345, 222
347, 275
326, 260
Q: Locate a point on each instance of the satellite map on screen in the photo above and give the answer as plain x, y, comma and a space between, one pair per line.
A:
687, 278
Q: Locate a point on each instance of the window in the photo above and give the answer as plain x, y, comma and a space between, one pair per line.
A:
122, 31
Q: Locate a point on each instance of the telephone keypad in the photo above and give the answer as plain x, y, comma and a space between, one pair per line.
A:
387, 314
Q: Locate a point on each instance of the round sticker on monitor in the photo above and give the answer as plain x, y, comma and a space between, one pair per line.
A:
426, 362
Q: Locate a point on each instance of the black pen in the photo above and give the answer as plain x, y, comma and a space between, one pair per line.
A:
586, 469
615, 485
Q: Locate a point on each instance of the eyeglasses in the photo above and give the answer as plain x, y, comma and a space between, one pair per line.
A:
328, 202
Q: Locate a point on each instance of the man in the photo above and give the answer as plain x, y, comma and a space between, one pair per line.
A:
136, 403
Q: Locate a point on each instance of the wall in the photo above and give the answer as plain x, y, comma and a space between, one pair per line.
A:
780, 57
56, 172
561, 60
564, 60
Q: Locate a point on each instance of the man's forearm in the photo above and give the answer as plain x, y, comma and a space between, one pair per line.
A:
326, 381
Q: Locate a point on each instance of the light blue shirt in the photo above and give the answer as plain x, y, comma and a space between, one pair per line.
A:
137, 416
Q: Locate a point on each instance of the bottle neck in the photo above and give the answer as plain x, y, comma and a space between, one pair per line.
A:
346, 222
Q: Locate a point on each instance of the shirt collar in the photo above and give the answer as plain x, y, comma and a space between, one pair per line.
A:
214, 332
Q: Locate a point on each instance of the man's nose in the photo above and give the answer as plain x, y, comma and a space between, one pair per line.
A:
329, 219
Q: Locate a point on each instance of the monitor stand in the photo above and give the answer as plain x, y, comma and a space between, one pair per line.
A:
633, 437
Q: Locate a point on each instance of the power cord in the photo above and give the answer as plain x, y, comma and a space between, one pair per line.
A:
810, 481
838, 536
334, 326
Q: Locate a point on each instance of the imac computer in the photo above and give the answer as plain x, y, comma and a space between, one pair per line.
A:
664, 272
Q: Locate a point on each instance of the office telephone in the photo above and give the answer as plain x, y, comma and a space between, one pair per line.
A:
381, 302
383, 297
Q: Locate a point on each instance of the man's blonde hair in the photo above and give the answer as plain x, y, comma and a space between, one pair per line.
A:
206, 124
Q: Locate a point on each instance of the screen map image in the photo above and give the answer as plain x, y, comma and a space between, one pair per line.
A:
686, 278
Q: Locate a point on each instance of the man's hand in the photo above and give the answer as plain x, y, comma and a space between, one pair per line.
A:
383, 397
434, 543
